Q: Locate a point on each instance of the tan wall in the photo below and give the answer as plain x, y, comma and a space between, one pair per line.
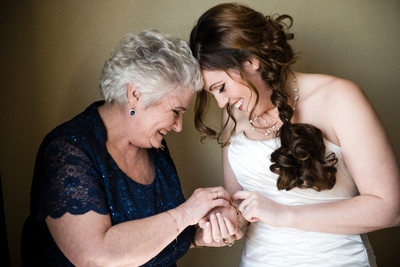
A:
54, 51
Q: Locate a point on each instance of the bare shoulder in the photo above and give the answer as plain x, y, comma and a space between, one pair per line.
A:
326, 99
326, 86
321, 92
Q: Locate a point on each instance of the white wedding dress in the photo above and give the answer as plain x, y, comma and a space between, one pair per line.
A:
266, 245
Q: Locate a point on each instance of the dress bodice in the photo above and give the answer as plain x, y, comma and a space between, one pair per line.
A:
266, 245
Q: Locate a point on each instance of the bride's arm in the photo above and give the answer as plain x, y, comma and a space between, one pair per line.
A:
214, 228
230, 182
371, 162
231, 185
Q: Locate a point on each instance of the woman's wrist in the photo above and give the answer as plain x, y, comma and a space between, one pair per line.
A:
197, 237
282, 217
180, 218
242, 221
288, 216
194, 244
175, 222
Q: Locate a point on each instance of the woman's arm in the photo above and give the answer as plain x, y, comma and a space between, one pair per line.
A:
90, 239
222, 227
230, 182
370, 160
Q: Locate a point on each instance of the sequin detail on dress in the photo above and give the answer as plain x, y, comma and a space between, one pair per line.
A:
75, 173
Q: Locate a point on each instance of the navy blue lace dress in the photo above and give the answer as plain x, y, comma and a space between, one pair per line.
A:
74, 173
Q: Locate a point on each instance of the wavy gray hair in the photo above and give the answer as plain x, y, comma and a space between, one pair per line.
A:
154, 63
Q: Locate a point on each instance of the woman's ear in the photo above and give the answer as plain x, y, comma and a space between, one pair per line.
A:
251, 65
132, 95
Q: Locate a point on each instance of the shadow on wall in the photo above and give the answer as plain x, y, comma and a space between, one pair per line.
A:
19, 112
82, 88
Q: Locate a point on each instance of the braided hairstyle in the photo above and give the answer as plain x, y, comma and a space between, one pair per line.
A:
228, 35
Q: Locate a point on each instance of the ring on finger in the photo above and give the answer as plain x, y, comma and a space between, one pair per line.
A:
217, 194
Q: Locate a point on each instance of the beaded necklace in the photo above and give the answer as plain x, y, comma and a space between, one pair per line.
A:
271, 128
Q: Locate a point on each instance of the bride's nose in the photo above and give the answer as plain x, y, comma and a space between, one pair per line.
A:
221, 100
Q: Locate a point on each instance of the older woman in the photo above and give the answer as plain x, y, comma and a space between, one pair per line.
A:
105, 190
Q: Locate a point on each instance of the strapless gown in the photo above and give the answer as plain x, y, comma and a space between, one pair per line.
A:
266, 245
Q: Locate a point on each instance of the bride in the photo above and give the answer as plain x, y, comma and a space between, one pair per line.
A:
305, 156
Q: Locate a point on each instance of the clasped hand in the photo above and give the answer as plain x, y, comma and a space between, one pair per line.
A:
220, 227
254, 207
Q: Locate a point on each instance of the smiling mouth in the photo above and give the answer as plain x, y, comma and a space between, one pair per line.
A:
239, 104
163, 132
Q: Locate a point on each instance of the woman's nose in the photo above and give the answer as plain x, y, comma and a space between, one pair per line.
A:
178, 124
221, 100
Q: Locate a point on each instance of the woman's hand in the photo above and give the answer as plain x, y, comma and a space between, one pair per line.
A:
256, 207
220, 227
202, 201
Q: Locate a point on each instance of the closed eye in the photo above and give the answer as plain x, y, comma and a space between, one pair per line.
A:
222, 88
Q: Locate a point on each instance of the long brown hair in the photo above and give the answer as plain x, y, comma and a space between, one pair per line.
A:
228, 35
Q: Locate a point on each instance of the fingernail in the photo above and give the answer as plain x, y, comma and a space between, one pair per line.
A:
208, 224
212, 217
219, 214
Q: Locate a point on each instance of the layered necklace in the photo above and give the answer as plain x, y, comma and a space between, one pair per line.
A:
269, 128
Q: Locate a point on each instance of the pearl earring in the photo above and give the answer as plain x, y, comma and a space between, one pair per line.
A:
131, 112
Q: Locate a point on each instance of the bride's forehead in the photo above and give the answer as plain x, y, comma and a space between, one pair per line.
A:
212, 76
213, 73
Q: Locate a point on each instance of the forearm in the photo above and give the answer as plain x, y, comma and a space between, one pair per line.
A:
92, 241
357, 215
138, 241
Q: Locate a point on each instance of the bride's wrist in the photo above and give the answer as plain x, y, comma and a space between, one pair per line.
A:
288, 216
242, 221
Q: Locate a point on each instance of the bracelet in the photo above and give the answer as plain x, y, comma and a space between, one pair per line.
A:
176, 224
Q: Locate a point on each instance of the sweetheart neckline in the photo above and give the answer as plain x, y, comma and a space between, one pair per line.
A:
275, 138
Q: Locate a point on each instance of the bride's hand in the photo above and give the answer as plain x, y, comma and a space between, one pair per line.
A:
220, 227
256, 207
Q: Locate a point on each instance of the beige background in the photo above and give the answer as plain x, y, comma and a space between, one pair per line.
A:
53, 52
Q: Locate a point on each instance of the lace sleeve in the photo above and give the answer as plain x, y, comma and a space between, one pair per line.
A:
67, 180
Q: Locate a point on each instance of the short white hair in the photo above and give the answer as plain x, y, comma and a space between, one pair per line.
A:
156, 64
